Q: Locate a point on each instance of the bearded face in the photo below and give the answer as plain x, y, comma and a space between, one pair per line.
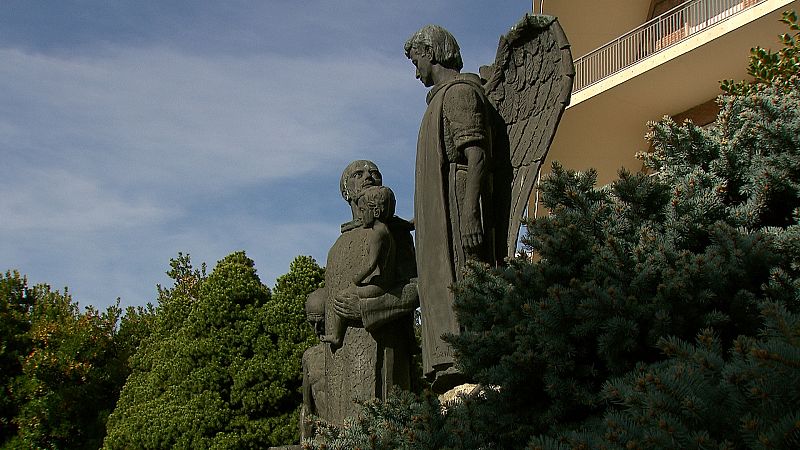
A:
361, 177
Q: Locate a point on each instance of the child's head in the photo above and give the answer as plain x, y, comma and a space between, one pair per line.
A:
315, 310
376, 203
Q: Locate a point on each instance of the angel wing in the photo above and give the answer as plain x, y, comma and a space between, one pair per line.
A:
530, 84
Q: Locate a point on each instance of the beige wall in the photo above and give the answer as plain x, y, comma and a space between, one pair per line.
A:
658, 7
592, 23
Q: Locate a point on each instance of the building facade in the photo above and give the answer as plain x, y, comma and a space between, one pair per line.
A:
644, 59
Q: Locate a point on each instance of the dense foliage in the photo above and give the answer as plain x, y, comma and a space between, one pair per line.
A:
221, 368
696, 249
590, 344
61, 369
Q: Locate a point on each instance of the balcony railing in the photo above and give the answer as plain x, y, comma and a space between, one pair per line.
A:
654, 36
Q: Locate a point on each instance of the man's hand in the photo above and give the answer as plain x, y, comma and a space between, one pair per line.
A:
346, 305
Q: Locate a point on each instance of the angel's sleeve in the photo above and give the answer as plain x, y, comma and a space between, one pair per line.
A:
465, 120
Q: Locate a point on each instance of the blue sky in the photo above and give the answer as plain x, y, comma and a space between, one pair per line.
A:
134, 130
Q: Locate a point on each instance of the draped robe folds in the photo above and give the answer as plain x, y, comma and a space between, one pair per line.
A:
439, 195
376, 353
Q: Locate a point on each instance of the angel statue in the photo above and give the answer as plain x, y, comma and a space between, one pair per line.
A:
480, 146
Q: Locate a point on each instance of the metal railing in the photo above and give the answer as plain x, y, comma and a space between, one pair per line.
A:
654, 36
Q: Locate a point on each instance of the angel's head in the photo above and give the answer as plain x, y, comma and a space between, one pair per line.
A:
438, 44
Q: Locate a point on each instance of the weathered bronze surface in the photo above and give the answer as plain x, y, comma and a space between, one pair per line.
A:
480, 145
373, 313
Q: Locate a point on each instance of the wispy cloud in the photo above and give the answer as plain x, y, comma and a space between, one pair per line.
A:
156, 115
131, 131
55, 200
158, 142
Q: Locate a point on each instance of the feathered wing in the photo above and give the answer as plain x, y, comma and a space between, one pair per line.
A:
530, 84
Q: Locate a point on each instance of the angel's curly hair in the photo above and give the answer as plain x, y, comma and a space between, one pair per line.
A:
439, 43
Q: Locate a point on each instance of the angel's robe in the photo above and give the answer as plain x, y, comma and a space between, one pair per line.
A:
456, 118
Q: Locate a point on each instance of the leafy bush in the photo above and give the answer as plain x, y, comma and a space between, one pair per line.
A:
61, 370
222, 366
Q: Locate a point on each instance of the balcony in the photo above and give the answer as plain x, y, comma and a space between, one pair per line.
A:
658, 34
721, 30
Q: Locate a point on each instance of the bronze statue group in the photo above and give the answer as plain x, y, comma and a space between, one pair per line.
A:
481, 142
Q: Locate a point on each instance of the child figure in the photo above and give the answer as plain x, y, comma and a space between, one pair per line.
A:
375, 207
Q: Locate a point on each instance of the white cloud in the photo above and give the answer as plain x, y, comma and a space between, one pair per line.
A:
55, 200
117, 161
207, 131
153, 122
154, 115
